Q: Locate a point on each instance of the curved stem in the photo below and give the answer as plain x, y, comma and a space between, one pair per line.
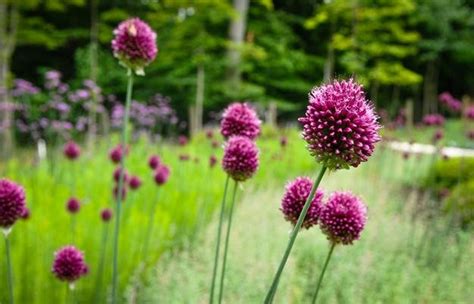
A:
294, 233
218, 244
100, 269
151, 215
322, 272
9, 268
226, 245
123, 143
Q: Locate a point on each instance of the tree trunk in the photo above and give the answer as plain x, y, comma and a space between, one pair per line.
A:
236, 34
94, 62
430, 88
8, 28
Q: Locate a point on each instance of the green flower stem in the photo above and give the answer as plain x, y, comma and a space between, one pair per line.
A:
218, 244
9, 266
124, 142
294, 233
226, 245
322, 272
100, 269
151, 215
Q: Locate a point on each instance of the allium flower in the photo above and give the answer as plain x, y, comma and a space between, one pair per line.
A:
209, 134
215, 144
69, 264
117, 173
73, 205
343, 218
283, 141
71, 150
12, 203
450, 102
433, 120
134, 44
340, 125
470, 112
116, 191
438, 135
182, 140
162, 174
406, 155
240, 159
470, 134
106, 214
240, 119
212, 161
116, 154
135, 182
184, 157
154, 161
295, 197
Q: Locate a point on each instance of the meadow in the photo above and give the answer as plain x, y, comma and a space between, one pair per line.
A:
400, 257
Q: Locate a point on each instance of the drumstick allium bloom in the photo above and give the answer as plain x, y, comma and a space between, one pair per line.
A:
240, 160
296, 194
69, 264
12, 203
240, 119
340, 125
134, 44
71, 150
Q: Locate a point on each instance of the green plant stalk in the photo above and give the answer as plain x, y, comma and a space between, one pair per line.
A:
124, 142
100, 269
218, 244
151, 215
9, 266
294, 234
321, 276
226, 244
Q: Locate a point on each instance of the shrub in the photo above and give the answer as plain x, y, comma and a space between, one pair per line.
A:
460, 202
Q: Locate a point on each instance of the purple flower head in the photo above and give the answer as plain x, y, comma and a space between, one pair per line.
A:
406, 155
240, 159
212, 161
343, 218
438, 135
433, 120
134, 44
184, 157
73, 205
340, 125
450, 102
162, 174
470, 113
106, 214
215, 144
240, 119
470, 134
154, 161
12, 203
117, 173
116, 191
116, 154
182, 140
69, 264
134, 182
72, 150
283, 141
25, 214
23, 88
209, 134
295, 197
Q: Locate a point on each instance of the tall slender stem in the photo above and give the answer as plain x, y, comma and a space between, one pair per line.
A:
294, 233
226, 244
9, 267
124, 142
151, 215
322, 272
218, 244
100, 269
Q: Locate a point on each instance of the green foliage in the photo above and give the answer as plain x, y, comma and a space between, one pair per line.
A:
447, 173
460, 202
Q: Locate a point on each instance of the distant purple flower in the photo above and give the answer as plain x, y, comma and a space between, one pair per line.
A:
240, 159
433, 120
117, 173
450, 102
215, 144
406, 155
438, 135
295, 197
106, 214
12, 202
184, 157
71, 150
212, 161
283, 141
53, 79
182, 140
162, 174
116, 154
69, 264
470, 113
154, 161
340, 125
23, 87
209, 134
134, 182
115, 192
343, 218
73, 205
240, 119
470, 134
134, 44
